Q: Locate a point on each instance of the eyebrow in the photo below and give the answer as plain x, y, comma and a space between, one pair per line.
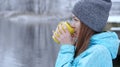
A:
73, 17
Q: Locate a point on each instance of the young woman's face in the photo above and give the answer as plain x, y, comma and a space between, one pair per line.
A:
76, 25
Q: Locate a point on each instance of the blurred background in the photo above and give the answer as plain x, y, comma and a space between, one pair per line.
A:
26, 29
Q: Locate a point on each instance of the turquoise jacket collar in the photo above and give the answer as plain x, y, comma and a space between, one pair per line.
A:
109, 40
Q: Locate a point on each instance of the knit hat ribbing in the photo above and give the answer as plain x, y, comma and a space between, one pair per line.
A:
93, 13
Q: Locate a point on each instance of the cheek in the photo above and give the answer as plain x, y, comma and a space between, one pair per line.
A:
78, 28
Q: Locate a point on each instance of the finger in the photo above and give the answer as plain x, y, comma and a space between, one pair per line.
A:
66, 29
55, 36
57, 30
62, 29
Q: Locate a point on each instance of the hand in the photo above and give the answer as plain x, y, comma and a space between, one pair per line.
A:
64, 35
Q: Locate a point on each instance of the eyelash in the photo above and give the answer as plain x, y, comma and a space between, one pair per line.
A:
75, 19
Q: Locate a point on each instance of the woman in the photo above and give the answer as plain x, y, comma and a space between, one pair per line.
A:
93, 48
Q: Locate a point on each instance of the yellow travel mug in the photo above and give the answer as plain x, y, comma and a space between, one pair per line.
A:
70, 29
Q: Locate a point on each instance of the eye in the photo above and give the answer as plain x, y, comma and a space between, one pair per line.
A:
76, 19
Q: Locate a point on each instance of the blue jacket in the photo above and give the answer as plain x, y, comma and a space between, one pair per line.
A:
103, 47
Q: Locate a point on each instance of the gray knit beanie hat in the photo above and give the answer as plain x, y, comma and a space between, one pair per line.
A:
93, 13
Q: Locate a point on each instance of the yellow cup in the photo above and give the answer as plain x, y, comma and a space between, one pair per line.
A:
70, 29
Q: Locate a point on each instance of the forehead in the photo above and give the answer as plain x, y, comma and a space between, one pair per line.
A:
73, 16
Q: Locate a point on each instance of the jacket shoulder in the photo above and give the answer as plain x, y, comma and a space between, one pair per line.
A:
95, 56
96, 50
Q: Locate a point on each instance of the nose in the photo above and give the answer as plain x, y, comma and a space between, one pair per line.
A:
73, 24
